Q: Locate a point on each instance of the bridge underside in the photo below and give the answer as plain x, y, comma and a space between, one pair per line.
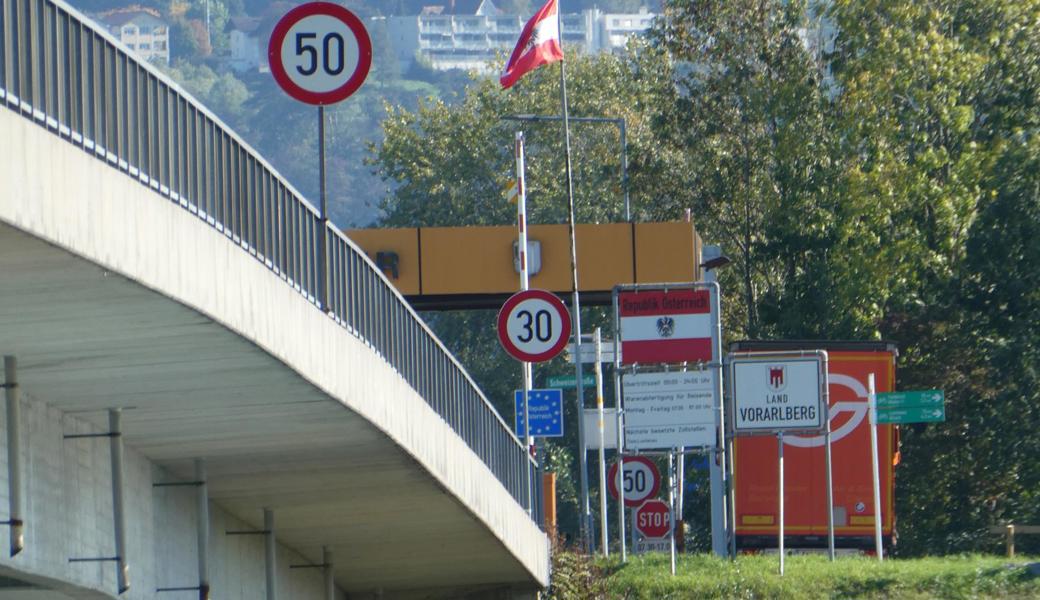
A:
88, 340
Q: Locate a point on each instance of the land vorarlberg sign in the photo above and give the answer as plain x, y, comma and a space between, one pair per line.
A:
777, 394
669, 410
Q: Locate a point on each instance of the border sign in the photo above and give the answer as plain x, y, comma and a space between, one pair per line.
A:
533, 326
544, 408
320, 53
665, 326
642, 480
667, 410
775, 393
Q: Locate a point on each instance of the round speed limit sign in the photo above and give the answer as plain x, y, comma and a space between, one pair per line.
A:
320, 53
533, 326
641, 481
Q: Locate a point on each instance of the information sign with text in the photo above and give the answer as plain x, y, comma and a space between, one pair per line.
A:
669, 410
777, 394
545, 408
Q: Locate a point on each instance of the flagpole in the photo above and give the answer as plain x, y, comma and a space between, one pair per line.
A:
586, 515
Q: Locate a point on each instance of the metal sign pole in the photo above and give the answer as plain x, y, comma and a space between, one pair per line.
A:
671, 508
872, 399
521, 223
830, 470
323, 256
780, 530
620, 430
717, 463
604, 545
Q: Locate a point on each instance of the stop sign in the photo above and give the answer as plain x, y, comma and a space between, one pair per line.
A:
653, 519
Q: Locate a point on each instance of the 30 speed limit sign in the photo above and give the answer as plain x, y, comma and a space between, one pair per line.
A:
641, 480
533, 326
320, 53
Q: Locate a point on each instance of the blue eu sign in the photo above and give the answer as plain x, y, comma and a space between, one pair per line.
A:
546, 410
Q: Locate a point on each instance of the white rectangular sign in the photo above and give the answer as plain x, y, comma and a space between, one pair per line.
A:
669, 410
777, 394
644, 545
592, 428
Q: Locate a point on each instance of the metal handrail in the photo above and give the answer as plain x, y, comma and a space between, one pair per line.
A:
67, 74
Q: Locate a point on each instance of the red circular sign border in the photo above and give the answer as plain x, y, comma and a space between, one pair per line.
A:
274, 54
645, 504
503, 317
612, 480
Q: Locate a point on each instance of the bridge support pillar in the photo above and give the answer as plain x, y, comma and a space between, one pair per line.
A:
115, 442
202, 500
330, 582
14, 457
269, 554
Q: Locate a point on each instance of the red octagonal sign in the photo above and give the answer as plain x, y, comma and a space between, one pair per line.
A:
654, 519
320, 53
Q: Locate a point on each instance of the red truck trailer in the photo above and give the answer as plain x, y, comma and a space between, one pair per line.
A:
805, 492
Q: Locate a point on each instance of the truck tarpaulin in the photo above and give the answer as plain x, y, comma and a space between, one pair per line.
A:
805, 491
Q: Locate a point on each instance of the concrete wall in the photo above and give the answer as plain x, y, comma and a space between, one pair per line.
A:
68, 514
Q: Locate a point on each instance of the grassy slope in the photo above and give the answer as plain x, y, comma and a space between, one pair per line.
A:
701, 576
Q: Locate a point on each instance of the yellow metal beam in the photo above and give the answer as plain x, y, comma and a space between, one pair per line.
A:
456, 267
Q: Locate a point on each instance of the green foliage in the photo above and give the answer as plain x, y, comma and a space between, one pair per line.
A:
940, 105
813, 577
575, 576
448, 163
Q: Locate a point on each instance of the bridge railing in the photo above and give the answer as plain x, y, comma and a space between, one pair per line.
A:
63, 71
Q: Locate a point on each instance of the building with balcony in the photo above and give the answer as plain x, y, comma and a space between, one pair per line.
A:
142, 29
469, 35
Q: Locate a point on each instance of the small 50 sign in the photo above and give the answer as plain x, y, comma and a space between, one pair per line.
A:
320, 53
641, 480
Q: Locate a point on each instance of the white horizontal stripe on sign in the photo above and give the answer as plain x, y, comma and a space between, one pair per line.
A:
634, 329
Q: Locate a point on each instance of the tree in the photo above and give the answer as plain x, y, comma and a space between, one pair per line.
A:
940, 113
753, 124
448, 163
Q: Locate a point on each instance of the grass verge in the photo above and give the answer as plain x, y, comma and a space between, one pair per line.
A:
812, 577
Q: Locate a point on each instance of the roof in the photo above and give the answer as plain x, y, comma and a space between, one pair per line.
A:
131, 14
460, 7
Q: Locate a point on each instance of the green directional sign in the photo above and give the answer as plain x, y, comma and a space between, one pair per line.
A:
922, 398
911, 414
567, 381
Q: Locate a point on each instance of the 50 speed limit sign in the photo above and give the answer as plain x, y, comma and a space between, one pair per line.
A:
641, 480
533, 326
320, 53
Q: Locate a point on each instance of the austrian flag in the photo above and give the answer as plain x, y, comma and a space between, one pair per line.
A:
539, 44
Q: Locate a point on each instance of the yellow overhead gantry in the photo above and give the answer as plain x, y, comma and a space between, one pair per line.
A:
439, 268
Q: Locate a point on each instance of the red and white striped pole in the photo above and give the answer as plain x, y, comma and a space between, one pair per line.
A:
521, 222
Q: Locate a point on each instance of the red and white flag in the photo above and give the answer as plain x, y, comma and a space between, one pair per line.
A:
665, 327
539, 44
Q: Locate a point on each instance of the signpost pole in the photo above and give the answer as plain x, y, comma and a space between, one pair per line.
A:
605, 547
620, 426
717, 464
671, 507
780, 530
323, 247
521, 222
830, 487
872, 399
825, 392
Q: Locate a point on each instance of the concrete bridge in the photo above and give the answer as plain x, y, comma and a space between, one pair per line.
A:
190, 411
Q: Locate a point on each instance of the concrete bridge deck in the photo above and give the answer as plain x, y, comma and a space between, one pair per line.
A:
117, 292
